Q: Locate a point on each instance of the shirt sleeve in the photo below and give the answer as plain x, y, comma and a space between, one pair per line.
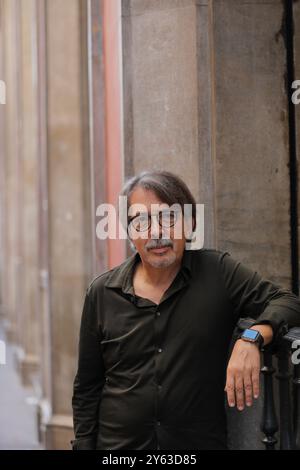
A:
256, 297
89, 380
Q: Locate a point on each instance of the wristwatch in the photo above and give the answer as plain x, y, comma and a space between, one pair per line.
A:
252, 336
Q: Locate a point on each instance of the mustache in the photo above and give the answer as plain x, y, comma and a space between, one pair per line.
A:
159, 243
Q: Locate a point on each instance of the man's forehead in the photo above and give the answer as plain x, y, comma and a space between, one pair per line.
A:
153, 208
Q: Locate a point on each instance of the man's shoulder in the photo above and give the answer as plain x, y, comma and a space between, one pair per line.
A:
99, 282
207, 260
209, 254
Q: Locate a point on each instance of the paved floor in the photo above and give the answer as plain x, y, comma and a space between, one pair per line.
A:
17, 408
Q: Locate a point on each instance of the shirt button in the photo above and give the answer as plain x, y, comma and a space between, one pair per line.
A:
159, 350
158, 314
158, 423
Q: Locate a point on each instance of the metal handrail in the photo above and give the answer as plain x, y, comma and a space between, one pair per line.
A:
288, 376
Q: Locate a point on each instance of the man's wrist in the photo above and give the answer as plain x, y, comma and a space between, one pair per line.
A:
252, 336
266, 332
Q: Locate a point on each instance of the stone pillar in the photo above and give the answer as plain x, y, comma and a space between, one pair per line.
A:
251, 149
251, 128
161, 88
2, 166
97, 130
112, 63
29, 317
11, 168
68, 161
45, 399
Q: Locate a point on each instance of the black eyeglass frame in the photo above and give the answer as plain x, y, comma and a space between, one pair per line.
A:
174, 211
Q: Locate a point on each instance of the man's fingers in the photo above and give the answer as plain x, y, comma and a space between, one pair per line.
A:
239, 392
230, 390
255, 382
248, 388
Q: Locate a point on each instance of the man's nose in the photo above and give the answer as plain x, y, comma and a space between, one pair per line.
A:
155, 230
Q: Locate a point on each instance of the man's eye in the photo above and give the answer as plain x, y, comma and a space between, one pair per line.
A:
142, 219
140, 222
167, 216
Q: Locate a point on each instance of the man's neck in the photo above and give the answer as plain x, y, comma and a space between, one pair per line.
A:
157, 277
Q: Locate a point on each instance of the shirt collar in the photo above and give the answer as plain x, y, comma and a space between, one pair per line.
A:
122, 276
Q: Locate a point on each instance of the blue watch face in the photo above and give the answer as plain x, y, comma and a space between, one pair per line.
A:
250, 334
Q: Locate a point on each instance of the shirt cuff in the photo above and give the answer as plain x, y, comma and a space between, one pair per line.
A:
279, 328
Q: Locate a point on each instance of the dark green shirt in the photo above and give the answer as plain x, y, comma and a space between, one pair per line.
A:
152, 376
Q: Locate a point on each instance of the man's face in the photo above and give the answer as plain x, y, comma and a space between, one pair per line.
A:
159, 246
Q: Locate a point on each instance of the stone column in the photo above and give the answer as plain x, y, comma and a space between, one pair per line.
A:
97, 132
112, 63
251, 134
3, 282
45, 399
168, 100
251, 151
161, 88
29, 317
68, 161
11, 168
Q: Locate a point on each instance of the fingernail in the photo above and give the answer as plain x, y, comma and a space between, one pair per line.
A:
231, 405
249, 403
255, 396
241, 408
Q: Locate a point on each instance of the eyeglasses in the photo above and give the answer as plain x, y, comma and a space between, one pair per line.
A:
142, 222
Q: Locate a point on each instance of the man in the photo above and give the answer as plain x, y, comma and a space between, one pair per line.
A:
156, 330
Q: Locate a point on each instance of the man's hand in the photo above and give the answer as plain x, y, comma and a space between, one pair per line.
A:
243, 370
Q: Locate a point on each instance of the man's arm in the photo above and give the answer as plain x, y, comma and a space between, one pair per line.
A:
89, 380
259, 298
274, 309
